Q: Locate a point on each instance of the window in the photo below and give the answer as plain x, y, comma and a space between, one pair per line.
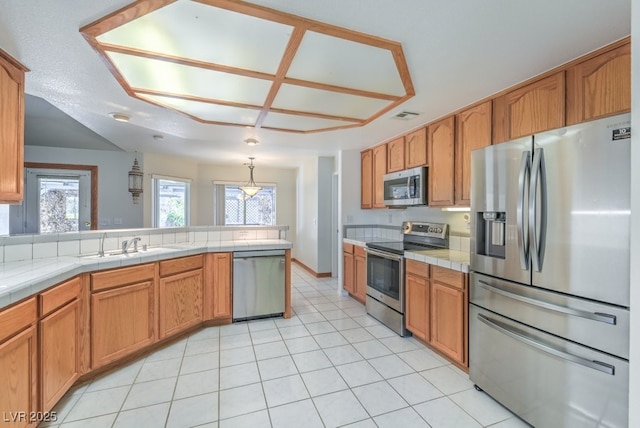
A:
170, 201
233, 207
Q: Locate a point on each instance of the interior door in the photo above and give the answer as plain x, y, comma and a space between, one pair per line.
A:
56, 201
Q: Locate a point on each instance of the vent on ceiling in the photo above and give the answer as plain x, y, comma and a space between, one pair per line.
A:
405, 115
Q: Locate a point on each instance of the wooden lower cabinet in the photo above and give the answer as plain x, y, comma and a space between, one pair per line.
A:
447, 321
436, 308
60, 353
180, 302
348, 270
218, 285
122, 321
360, 274
19, 374
417, 306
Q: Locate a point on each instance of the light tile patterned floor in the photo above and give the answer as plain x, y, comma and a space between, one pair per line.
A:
329, 365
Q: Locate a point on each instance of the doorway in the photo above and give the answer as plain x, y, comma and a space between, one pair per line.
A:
58, 199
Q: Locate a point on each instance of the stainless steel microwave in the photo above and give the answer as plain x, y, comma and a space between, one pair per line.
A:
406, 188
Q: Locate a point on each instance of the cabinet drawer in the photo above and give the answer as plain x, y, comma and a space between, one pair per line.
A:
17, 317
348, 248
122, 276
183, 264
359, 251
63, 293
417, 268
448, 276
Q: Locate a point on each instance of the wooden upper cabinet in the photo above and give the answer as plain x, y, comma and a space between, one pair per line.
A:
440, 140
538, 106
473, 131
11, 129
600, 86
379, 154
415, 146
366, 179
395, 155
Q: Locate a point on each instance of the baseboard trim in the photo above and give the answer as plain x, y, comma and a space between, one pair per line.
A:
311, 271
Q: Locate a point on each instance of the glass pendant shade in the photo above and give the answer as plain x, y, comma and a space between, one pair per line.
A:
250, 189
135, 181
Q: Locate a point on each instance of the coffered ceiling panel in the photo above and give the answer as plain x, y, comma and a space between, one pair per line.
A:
300, 123
193, 30
359, 108
206, 111
340, 62
236, 55
168, 77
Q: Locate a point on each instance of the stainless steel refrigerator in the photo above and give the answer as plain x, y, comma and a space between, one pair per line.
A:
549, 292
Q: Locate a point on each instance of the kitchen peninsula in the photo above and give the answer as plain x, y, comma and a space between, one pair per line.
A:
69, 313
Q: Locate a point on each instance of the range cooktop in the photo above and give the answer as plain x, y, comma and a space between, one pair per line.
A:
399, 247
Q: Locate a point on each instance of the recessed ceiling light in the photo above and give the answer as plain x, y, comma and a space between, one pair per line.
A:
251, 141
120, 117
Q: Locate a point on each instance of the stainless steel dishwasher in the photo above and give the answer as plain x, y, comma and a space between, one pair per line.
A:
258, 284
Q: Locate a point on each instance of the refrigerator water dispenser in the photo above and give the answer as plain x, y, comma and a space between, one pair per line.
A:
491, 234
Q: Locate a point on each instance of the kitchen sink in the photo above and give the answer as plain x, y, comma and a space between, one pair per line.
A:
121, 254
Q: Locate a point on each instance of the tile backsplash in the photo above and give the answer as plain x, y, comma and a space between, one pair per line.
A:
26, 247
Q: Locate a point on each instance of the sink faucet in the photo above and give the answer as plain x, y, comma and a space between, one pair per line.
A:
101, 251
127, 244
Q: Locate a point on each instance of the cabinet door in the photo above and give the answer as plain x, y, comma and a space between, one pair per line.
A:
395, 155
447, 321
600, 86
536, 107
11, 130
218, 284
180, 302
60, 353
366, 179
416, 148
18, 371
348, 273
473, 131
379, 170
122, 321
360, 263
441, 162
417, 306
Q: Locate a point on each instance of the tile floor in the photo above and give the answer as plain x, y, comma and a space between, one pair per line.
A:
329, 365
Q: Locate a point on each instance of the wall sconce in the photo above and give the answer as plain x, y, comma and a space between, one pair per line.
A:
135, 181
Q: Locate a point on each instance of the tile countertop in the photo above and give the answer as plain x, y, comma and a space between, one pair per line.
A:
25, 278
451, 259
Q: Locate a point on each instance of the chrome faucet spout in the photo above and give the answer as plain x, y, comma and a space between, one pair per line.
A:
127, 244
101, 251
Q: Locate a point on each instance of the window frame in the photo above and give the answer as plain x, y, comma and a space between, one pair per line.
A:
219, 217
155, 193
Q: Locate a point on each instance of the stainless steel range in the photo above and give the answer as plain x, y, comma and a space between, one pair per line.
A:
385, 270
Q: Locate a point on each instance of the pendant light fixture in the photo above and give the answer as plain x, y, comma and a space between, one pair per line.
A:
250, 189
135, 181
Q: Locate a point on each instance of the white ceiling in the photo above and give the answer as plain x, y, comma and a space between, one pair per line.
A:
458, 51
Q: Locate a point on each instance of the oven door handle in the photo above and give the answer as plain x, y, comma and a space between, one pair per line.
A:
383, 255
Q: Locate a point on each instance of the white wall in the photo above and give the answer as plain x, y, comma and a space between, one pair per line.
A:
284, 178
114, 199
307, 214
634, 358
326, 168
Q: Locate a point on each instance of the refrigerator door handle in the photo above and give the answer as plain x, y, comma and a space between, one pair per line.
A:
538, 237
594, 316
528, 340
523, 179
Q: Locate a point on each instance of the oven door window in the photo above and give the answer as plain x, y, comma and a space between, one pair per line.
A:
384, 275
396, 189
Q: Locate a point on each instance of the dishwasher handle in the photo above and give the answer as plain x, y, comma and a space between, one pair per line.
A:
257, 253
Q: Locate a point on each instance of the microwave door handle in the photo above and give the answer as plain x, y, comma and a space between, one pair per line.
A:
538, 175
523, 180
